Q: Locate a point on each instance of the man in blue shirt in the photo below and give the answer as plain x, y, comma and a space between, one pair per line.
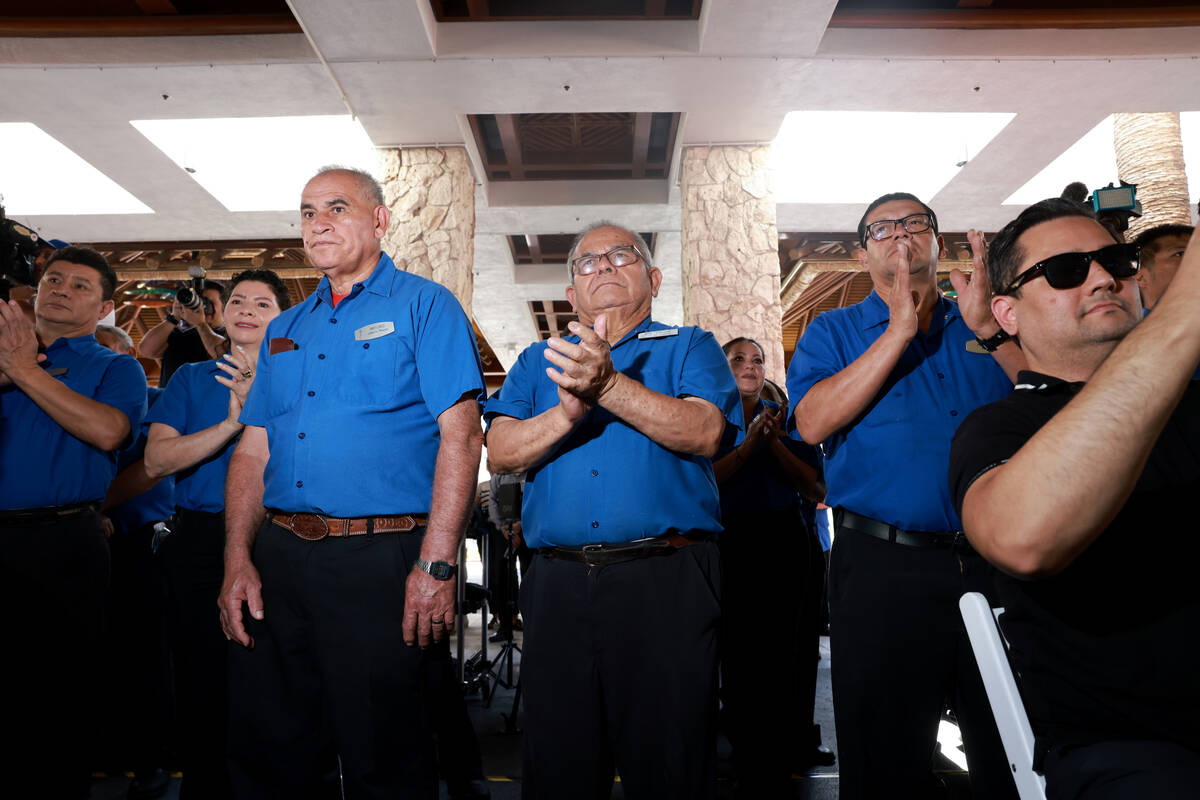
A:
345, 503
882, 386
65, 411
614, 426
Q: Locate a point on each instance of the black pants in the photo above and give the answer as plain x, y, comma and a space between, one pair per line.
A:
620, 670
764, 671
193, 562
330, 673
899, 652
1133, 770
53, 579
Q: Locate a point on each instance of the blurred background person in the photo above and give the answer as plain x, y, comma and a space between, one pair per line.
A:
188, 336
193, 430
762, 480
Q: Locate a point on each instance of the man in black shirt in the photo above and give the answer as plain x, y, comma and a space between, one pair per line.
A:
1080, 486
186, 336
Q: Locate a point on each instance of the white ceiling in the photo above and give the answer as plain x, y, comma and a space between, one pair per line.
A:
734, 74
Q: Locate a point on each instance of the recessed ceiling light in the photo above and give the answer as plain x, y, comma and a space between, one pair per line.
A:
1093, 161
856, 156
43, 176
260, 163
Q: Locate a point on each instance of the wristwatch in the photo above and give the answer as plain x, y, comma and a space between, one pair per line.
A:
171, 318
994, 341
440, 570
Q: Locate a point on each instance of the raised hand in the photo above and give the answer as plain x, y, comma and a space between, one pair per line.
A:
975, 291
585, 370
903, 301
236, 364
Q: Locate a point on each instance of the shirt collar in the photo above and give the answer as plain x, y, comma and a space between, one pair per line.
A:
1028, 380
80, 344
639, 328
875, 312
379, 282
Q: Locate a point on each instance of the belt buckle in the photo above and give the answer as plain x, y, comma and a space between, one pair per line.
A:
589, 550
310, 527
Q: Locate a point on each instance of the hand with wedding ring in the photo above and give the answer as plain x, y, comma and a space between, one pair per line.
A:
237, 366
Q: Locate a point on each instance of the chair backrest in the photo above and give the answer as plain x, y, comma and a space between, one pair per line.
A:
1011, 719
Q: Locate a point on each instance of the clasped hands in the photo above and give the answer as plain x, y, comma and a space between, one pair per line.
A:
585, 371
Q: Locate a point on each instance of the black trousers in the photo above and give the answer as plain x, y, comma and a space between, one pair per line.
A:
193, 562
899, 652
53, 580
1132, 770
330, 673
765, 672
619, 670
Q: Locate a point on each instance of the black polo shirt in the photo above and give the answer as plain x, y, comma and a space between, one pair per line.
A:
183, 347
1109, 648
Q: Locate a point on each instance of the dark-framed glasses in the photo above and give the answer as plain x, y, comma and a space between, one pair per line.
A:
881, 229
620, 256
1068, 270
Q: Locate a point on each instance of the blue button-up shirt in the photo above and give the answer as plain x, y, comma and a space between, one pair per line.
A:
156, 503
351, 412
193, 401
42, 465
608, 482
890, 463
758, 485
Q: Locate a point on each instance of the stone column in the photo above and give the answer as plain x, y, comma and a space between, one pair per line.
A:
730, 257
1150, 154
431, 195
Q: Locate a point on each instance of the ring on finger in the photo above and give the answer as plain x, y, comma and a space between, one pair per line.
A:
438, 622
247, 373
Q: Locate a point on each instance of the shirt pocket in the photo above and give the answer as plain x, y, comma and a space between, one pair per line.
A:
368, 377
283, 388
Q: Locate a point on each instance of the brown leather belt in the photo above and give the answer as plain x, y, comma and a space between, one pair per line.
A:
315, 527
605, 553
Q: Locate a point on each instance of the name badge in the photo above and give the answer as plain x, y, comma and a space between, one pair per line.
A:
373, 331
664, 333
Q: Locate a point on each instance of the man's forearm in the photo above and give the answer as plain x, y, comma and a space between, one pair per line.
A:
835, 402
244, 510
96, 423
685, 425
154, 343
129, 483
519, 445
213, 342
167, 451
455, 473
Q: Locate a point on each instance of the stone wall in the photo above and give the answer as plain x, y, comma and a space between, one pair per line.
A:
431, 195
730, 257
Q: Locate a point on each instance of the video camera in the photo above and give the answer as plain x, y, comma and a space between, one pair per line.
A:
192, 297
18, 251
1113, 206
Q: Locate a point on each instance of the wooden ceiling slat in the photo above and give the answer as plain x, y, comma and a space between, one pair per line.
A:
512, 145
156, 25
641, 144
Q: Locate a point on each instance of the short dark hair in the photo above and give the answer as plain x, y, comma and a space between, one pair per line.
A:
887, 198
1005, 253
738, 340
211, 285
1147, 241
282, 296
88, 258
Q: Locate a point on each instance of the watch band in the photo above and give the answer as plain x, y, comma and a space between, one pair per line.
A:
994, 341
440, 570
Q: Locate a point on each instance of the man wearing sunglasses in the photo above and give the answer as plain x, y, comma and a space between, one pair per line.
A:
882, 386
614, 425
1081, 486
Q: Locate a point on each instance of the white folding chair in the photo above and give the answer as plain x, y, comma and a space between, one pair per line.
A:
991, 654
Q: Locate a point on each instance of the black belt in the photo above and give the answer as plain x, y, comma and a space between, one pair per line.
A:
46, 516
890, 533
605, 553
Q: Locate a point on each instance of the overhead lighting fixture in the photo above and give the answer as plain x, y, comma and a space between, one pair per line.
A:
42, 176
856, 156
260, 163
1093, 161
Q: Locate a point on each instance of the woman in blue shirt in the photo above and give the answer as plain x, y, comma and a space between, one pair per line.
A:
194, 429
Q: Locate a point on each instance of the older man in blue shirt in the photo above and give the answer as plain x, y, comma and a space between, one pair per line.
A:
66, 409
345, 504
882, 386
614, 426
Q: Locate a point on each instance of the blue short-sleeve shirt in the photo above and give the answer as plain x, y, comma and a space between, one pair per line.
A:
608, 482
350, 395
759, 485
890, 463
156, 503
41, 465
192, 402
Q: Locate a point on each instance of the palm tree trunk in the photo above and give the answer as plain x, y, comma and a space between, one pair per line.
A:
1150, 154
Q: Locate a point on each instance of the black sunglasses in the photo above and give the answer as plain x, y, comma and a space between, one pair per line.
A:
1068, 270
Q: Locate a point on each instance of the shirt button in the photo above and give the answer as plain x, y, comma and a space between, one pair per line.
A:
595, 473
366, 345
595, 524
311, 393
299, 484
301, 434
333, 320
954, 413
940, 375
321, 356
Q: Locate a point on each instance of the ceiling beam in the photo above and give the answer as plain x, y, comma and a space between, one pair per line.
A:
641, 143
507, 123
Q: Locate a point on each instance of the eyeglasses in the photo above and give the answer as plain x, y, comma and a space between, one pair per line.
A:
1068, 270
914, 223
620, 256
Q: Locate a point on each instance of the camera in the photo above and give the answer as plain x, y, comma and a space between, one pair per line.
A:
18, 252
191, 297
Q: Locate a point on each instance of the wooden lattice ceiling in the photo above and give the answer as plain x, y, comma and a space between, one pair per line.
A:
92, 18
528, 10
1014, 14
522, 147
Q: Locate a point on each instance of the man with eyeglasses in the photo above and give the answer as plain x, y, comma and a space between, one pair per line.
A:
882, 386
1081, 486
614, 425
